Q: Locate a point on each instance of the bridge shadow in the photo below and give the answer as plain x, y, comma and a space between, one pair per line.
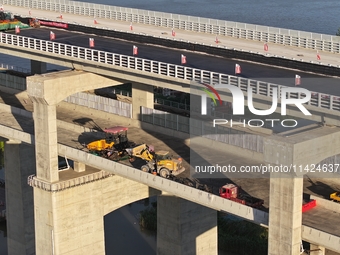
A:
319, 188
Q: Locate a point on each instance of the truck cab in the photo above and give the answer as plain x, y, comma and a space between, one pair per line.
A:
229, 191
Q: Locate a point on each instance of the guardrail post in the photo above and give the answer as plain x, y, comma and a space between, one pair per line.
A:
331, 102
319, 99
268, 89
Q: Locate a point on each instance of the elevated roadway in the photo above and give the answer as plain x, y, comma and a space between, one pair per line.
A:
286, 51
130, 69
276, 75
316, 222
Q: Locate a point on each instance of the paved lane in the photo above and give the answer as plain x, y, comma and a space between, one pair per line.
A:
313, 82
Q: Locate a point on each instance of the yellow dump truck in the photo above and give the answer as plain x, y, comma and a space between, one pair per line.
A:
335, 196
160, 162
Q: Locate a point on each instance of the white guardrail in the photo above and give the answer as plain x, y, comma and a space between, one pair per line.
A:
319, 100
281, 36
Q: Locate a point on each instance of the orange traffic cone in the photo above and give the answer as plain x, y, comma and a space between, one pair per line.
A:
95, 21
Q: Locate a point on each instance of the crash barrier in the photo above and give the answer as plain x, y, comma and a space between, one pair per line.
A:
311, 204
101, 103
253, 32
186, 74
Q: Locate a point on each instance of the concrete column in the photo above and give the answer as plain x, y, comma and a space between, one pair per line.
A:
78, 166
184, 227
142, 95
38, 67
285, 215
19, 164
46, 147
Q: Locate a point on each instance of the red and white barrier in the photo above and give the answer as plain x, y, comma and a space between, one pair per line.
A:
17, 29
297, 80
237, 69
52, 36
183, 59
318, 56
91, 42
135, 50
265, 47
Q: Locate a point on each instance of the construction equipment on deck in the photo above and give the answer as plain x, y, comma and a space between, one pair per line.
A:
34, 23
232, 192
157, 162
113, 145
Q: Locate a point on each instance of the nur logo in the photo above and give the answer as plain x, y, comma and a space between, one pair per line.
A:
238, 99
204, 98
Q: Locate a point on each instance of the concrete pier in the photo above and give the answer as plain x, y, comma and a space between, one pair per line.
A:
38, 67
20, 163
71, 221
142, 95
184, 227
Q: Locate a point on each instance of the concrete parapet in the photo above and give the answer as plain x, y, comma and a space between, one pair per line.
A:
327, 204
184, 227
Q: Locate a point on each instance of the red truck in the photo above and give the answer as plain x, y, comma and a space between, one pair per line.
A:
234, 193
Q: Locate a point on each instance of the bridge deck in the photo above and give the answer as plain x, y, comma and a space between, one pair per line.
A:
239, 44
318, 218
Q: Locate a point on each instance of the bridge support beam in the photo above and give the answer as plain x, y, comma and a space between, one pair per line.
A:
20, 163
286, 189
184, 227
285, 215
142, 95
46, 91
46, 147
38, 67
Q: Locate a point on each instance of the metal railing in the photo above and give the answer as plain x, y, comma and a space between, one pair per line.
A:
260, 88
281, 36
15, 68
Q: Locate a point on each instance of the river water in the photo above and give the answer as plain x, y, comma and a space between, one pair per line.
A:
319, 16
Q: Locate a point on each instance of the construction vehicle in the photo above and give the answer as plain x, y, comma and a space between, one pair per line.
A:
34, 23
232, 192
335, 196
7, 21
159, 162
113, 145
